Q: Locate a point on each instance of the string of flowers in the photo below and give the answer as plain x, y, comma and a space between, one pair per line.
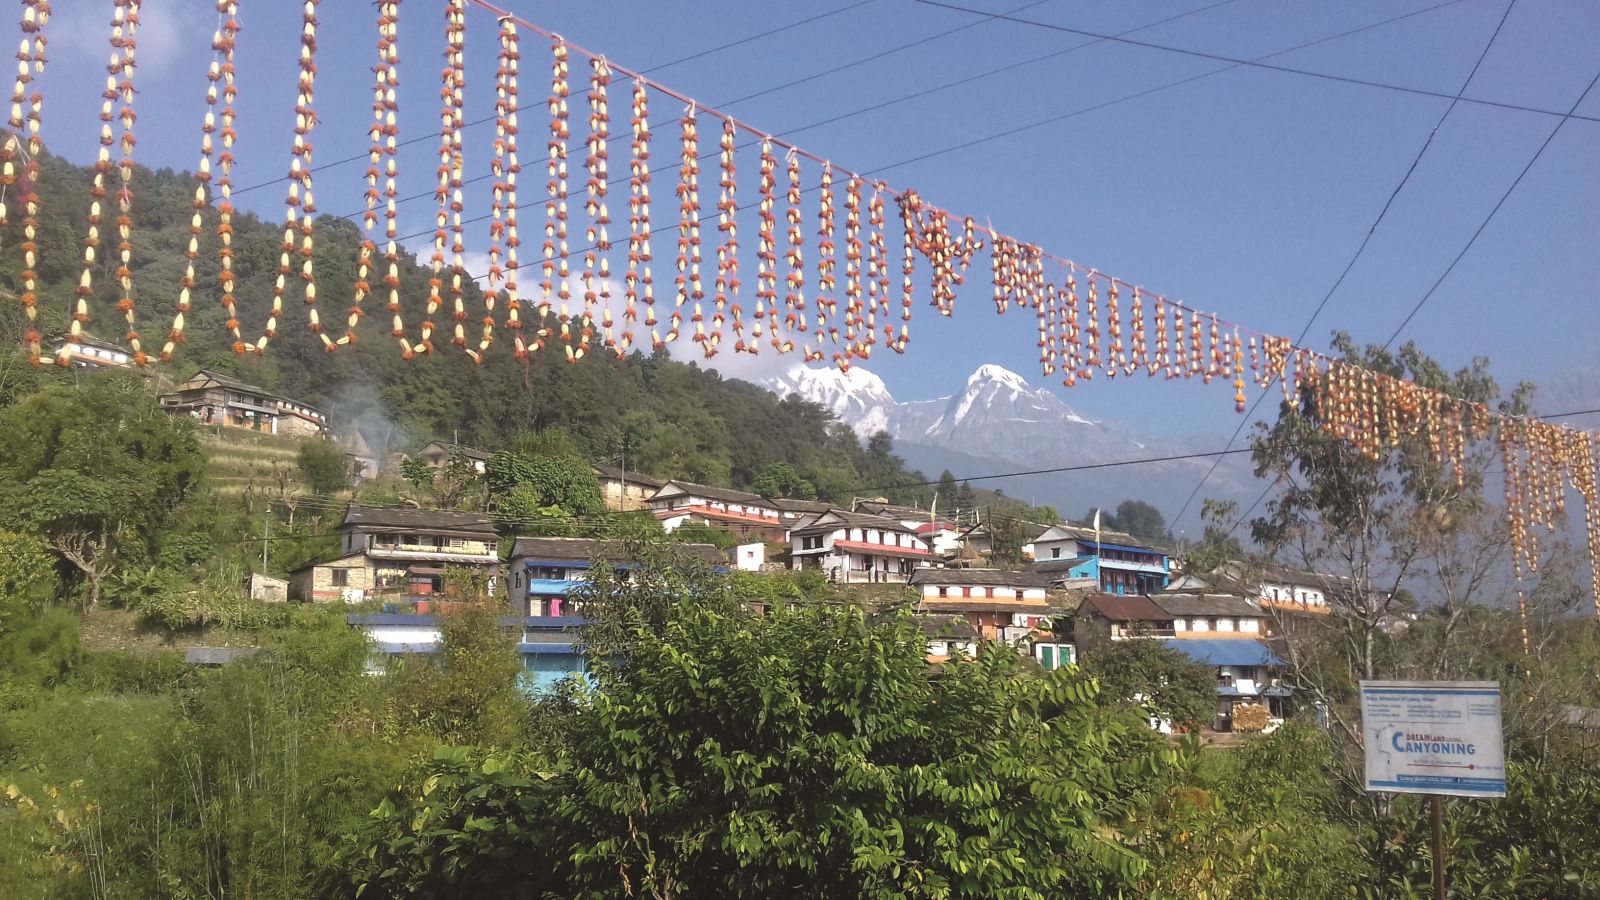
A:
766, 250
853, 319
727, 284
503, 227
826, 304
305, 123
454, 93
597, 233
640, 282
688, 263
388, 75
127, 11
30, 65
103, 167
555, 205
794, 298
382, 112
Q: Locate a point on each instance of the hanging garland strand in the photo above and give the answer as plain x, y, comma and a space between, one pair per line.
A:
454, 92
381, 134
727, 284
30, 65
596, 259
228, 11
128, 12
503, 224
640, 282
305, 122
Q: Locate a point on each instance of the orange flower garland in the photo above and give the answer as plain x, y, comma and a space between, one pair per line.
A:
795, 298
766, 249
826, 305
127, 16
387, 94
852, 273
727, 285
383, 116
1092, 345
1074, 356
30, 64
555, 206
878, 278
597, 233
300, 166
640, 280
503, 212
228, 11
688, 264
454, 123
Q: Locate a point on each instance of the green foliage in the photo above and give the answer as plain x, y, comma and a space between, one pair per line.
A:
324, 466
807, 753
1165, 682
779, 479
96, 471
1136, 517
27, 570
1258, 822
695, 533
540, 495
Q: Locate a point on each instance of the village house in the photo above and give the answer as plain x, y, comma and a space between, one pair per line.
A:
544, 571
947, 636
1248, 674
436, 454
1010, 607
399, 555
623, 490
546, 644
857, 548
218, 400
1120, 562
1119, 617
747, 515
1201, 615
90, 354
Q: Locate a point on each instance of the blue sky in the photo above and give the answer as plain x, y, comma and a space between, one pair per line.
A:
1244, 193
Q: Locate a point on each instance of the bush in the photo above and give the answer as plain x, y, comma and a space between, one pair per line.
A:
124, 672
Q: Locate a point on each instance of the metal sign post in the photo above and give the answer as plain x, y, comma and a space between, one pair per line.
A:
1438, 738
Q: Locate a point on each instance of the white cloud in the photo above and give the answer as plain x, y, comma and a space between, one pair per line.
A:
165, 29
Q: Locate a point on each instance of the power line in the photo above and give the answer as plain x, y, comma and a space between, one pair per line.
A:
1254, 63
1360, 249
1487, 219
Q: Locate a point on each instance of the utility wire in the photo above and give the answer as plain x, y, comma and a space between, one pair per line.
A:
1490, 217
1360, 249
1254, 63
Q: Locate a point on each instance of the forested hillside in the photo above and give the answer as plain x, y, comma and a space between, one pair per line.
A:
678, 420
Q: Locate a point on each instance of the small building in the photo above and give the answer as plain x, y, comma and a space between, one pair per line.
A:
792, 512
399, 555
1248, 673
1199, 615
1000, 605
624, 490
219, 400
1119, 617
1122, 563
90, 354
547, 644
436, 454
947, 636
857, 548
545, 571
271, 590
749, 516
750, 557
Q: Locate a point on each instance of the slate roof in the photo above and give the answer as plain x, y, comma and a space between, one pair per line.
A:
1060, 566
472, 453
1065, 531
726, 495
947, 628
419, 520
615, 473
892, 510
838, 518
582, 549
981, 577
1205, 605
1124, 608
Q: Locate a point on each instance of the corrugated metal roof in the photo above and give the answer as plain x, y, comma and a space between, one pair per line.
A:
418, 519
1225, 651
1125, 608
981, 577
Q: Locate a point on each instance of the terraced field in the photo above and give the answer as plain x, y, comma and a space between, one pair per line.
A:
239, 461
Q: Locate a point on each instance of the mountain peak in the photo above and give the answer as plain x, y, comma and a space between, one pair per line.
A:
991, 373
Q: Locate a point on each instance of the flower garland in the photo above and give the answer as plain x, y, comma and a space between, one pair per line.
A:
126, 20
688, 263
766, 250
30, 65
223, 52
597, 234
503, 225
727, 284
454, 123
794, 299
300, 205
640, 283
383, 129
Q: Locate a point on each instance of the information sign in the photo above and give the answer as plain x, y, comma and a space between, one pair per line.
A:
1433, 737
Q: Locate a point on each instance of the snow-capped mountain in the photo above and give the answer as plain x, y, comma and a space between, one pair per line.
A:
999, 422
857, 397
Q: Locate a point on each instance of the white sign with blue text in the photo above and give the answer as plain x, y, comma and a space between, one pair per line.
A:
1433, 737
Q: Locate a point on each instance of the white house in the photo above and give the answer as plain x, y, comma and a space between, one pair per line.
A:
1211, 615
400, 554
857, 548
748, 515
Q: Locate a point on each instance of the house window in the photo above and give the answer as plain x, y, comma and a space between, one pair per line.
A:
944, 592
1199, 625
1055, 552
341, 578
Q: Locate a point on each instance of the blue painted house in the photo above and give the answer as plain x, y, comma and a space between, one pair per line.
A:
545, 571
547, 644
1121, 563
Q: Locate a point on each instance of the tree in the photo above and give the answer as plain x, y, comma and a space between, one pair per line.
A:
27, 569
324, 466
806, 753
523, 487
1165, 682
449, 484
1141, 519
1217, 545
97, 471
781, 480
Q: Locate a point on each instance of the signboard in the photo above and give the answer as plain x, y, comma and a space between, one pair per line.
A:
1433, 737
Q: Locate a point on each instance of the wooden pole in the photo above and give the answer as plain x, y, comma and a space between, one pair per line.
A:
1436, 804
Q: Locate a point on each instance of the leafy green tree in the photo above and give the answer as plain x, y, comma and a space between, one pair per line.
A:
97, 471
525, 489
1218, 544
807, 753
27, 570
1140, 519
1165, 682
324, 466
779, 479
